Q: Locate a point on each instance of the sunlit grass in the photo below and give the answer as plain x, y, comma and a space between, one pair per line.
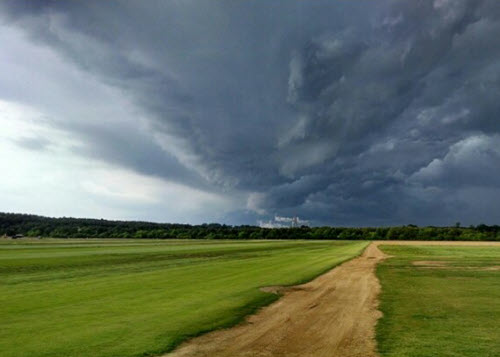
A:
133, 297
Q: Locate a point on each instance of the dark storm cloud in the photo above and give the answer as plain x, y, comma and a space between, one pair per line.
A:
354, 112
129, 148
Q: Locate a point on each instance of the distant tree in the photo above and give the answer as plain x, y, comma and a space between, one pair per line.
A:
30, 225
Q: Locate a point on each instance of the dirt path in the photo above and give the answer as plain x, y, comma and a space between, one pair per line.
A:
333, 315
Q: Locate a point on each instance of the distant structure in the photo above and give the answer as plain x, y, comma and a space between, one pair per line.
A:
284, 222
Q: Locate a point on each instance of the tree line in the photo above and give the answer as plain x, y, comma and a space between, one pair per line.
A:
13, 224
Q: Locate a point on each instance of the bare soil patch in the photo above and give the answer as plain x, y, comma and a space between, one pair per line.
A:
493, 268
430, 263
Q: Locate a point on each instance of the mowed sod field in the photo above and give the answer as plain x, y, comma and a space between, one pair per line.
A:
138, 298
439, 301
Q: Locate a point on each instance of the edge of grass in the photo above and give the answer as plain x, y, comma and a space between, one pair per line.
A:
249, 309
239, 316
326, 270
385, 313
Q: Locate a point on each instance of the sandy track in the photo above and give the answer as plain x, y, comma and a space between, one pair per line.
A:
333, 315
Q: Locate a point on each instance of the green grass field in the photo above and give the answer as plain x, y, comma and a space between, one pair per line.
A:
139, 298
447, 305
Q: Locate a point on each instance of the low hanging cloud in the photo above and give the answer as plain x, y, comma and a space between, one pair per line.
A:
346, 113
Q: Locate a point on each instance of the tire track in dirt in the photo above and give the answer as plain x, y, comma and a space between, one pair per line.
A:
333, 315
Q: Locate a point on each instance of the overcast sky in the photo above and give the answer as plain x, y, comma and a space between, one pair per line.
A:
339, 112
